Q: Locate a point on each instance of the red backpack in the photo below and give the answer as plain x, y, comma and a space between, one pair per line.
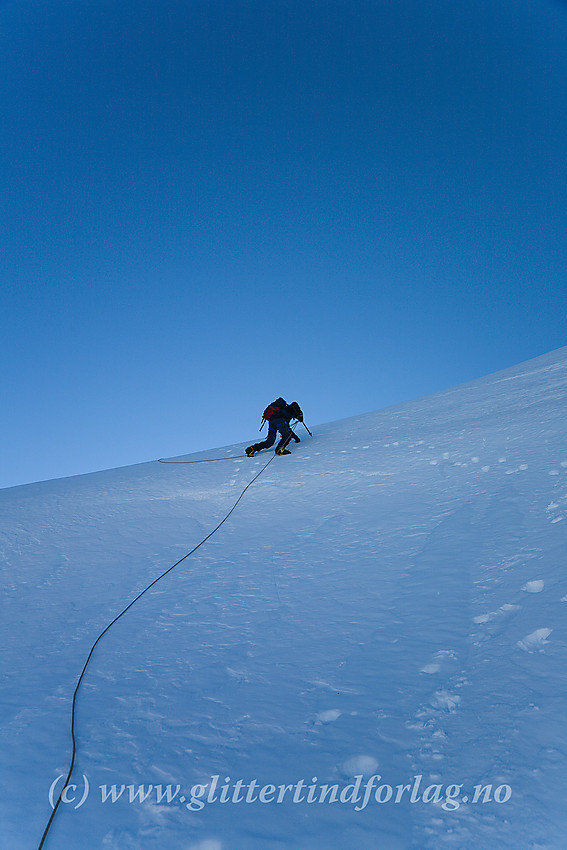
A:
271, 410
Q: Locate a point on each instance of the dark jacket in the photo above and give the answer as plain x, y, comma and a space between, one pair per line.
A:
287, 412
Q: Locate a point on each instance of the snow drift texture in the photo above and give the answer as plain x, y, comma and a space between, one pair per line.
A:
388, 601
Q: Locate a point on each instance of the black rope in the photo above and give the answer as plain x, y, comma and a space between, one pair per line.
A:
228, 457
155, 581
204, 460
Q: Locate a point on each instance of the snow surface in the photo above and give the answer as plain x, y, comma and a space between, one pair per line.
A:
388, 600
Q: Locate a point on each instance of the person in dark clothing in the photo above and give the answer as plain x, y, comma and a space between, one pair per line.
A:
278, 415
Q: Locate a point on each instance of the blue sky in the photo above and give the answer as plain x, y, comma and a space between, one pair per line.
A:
209, 204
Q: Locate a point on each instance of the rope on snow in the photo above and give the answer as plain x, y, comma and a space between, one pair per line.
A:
101, 635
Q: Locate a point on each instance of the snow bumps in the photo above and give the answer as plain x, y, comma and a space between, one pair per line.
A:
367, 613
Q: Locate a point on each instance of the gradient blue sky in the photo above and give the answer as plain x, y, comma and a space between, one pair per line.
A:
208, 204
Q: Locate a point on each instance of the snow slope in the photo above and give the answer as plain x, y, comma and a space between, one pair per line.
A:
390, 600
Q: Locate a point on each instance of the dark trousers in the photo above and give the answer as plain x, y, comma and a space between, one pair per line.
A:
273, 427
